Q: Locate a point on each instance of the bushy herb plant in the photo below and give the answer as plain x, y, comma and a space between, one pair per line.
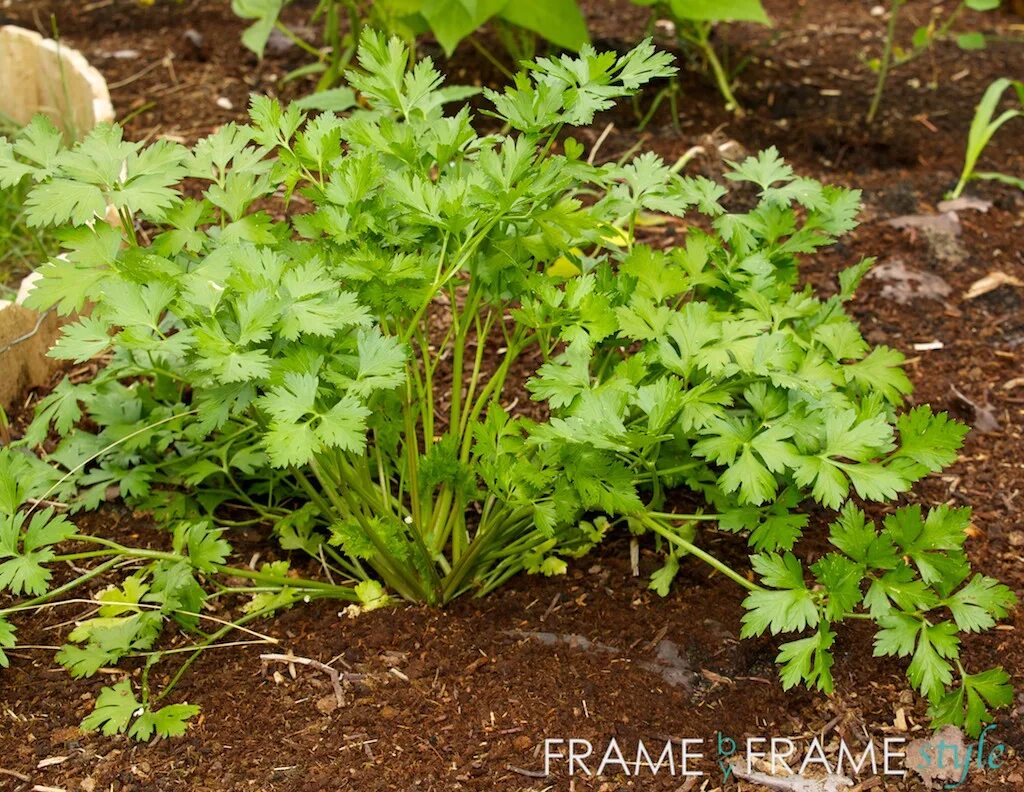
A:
433, 358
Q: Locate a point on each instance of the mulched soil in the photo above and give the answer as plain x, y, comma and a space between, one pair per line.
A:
463, 699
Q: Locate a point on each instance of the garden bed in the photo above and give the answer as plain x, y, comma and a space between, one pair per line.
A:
463, 698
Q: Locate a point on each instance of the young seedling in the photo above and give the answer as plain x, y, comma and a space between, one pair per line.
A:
694, 23
983, 126
938, 29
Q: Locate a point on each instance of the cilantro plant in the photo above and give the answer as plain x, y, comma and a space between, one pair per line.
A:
693, 23
431, 359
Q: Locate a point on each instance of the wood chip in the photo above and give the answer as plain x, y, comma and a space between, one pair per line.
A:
991, 282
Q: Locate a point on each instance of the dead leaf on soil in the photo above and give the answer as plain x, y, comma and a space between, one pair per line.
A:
985, 419
795, 783
943, 223
923, 758
991, 282
902, 284
965, 202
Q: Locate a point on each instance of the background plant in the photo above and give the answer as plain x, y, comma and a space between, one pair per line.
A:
938, 29
983, 126
341, 370
693, 24
22, 246
517, 22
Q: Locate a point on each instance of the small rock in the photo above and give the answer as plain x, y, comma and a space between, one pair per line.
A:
903, 284
224, 103
1017, 539
388, 713
327, 704
87, 784
196, 43
522, 743
278, 43
944, 223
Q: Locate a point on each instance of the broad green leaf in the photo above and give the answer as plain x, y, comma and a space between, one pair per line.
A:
720, 10
559, 21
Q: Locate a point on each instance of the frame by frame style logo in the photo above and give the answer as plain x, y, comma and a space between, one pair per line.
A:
730, 758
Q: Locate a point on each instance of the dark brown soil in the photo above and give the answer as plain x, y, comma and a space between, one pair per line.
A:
463, 699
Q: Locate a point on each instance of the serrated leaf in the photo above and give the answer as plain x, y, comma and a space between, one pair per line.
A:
977, 605
661, 578
115, 707
8, 640
169, 721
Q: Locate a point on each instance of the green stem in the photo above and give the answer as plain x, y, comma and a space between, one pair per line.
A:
60, 590
886, 63
693, 550
299, 42
210, 639
701, 39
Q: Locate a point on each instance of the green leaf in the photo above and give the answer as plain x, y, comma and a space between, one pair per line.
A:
381, 362
788, 608
808, 660
82, 340
971, 41
27, 552
968, 705
933, 542
169, 721
748, 475
881, 371
778, 611
720, 10
928, 442
114, 709
661, 578
452, 20
850, 278
60, 201
205, 546
336, 100
929, 670
8, 640
898, 635
559, 21
841, 579
265, 12
977, 605
344, 425
858, 538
